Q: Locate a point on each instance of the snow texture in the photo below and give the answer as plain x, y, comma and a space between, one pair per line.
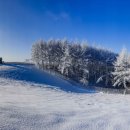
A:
29, 100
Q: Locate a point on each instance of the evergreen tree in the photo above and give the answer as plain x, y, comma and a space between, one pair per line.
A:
66, 61
122, 70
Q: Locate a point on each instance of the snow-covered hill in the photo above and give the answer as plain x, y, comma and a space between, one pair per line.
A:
29, 73
34, 100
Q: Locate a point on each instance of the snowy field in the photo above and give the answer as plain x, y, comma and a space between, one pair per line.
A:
31, 100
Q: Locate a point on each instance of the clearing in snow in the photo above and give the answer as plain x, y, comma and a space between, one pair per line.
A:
34, 100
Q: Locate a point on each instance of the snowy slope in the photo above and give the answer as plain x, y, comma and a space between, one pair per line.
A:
30, 73
36, 105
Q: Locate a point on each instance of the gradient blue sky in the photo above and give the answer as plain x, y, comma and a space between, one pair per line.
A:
22, 22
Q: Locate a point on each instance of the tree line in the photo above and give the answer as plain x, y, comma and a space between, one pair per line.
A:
75, 60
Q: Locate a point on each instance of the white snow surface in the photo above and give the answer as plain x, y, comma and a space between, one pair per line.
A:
28, 105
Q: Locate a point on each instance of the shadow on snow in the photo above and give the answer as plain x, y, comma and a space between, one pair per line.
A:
30, 73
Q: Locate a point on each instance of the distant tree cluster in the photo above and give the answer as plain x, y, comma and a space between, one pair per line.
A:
74, 60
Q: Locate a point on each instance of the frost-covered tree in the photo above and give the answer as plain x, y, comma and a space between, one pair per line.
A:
40, 54
85, 72
66, 61
122, 70
36, 54
84, 65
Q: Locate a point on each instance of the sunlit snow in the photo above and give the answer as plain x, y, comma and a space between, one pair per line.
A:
40, 103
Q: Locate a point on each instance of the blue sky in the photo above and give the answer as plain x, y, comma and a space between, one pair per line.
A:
22, 22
